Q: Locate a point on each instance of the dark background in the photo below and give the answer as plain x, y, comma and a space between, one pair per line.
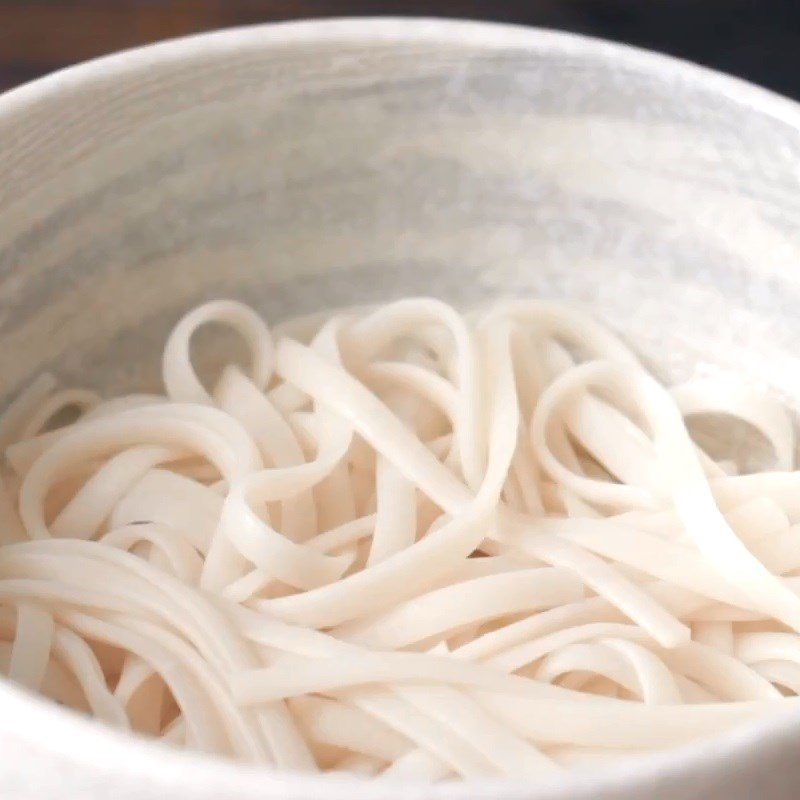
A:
756, 39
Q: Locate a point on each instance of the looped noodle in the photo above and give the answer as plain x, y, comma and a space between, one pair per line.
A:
405, 543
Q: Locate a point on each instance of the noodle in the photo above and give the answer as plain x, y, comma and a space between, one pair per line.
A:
403, 543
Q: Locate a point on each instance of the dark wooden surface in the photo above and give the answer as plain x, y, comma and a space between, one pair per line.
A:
758, 39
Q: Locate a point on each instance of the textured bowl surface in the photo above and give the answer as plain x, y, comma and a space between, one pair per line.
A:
306, 165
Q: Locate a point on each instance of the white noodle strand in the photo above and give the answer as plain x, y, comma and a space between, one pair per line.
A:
406, 543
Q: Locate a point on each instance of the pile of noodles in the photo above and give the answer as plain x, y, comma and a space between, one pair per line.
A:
406, 543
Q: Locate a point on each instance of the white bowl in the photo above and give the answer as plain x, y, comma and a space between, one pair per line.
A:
309, 164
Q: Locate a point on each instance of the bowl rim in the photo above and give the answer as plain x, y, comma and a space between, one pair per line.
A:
397, 30
87, 743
